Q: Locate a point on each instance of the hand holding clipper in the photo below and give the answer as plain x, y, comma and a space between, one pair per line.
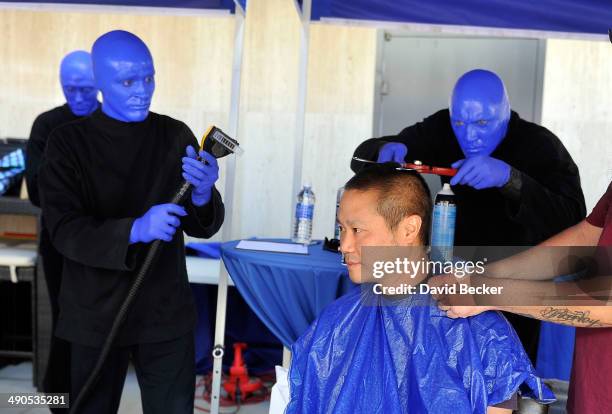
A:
201, 173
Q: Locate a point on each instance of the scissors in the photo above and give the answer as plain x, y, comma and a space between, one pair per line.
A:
419, 167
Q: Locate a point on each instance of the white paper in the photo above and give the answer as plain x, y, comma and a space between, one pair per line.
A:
281, 393
265, 246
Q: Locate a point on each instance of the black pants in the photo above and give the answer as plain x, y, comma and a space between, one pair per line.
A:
165, 372
57, 375
528, 331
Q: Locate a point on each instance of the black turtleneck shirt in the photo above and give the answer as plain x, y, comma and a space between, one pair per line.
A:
98, 176
545, 199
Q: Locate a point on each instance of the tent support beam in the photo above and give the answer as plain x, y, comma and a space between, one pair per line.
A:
230, 180
300, 112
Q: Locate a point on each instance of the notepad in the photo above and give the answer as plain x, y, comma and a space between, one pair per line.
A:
276, 247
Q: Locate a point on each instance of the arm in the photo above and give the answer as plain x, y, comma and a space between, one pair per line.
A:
421, 139
34, 157
577, 316
368, 150
583, 304
554, 187
546, 261
205, 209
77, 235
203, 222
496, 410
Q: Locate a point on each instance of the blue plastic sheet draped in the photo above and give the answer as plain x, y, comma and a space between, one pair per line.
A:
190, 4
555, 351
368, 354
585, 16
286, 291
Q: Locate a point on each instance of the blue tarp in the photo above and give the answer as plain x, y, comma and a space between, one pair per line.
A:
585, 16
367, 353
555, 351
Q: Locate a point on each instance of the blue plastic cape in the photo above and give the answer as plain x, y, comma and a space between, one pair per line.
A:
406, 356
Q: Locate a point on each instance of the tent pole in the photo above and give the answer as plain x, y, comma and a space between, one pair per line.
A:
230, 179
300, 113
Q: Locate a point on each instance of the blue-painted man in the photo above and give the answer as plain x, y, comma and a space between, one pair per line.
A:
77, 82
516, 184
105, 188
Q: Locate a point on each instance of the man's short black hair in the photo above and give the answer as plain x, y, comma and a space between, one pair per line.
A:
401, 193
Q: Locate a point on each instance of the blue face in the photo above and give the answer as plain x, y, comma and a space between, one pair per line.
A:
479, 113
125, 74
76, 77
129, 91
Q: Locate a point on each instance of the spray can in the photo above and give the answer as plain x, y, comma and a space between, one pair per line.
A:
443, 225
337, 225
304, 211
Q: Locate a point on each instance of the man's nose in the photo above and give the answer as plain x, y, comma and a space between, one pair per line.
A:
471, 133
141, 89
347, 244
78, 95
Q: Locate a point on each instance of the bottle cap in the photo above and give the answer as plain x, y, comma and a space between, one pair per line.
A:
446, 190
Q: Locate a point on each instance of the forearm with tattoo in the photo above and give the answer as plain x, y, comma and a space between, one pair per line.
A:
575, 318
588, 317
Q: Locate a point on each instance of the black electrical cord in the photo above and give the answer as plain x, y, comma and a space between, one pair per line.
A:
118, 321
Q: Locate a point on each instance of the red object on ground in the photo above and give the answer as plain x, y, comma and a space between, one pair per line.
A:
239, 385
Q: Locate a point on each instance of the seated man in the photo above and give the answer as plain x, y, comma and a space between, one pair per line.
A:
369, 353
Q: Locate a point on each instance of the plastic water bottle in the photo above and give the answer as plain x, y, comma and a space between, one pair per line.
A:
443, 225
304, 210
337, 225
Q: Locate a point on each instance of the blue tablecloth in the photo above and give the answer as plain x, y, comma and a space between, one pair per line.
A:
286, 291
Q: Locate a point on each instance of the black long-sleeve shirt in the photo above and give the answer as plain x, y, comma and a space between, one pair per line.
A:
549, 200
99, 175
41, 128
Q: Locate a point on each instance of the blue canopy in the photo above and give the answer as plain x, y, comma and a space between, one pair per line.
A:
187, 4
568, 16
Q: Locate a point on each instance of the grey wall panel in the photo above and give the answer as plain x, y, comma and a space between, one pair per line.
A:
419, 74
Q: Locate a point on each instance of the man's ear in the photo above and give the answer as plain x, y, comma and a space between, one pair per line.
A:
408, 231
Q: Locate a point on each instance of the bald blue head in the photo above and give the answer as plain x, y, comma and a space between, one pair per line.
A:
124, 72
78, 85
479, 112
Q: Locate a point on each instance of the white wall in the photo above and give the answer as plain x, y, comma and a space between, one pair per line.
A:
339, 116
192, 57
577, 107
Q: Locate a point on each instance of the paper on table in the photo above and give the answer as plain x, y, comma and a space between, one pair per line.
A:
265, 246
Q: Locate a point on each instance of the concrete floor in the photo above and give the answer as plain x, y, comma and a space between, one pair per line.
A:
18, 379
